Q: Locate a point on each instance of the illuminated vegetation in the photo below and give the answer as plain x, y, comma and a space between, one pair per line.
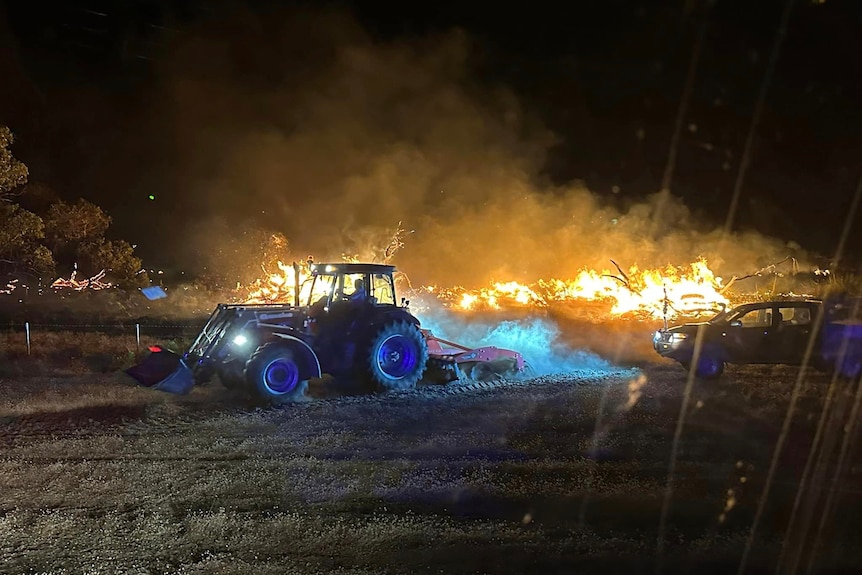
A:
63, 236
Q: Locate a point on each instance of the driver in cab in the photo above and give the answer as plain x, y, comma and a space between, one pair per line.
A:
359, 294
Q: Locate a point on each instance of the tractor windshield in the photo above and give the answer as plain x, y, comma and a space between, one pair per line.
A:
352, 287
320, 288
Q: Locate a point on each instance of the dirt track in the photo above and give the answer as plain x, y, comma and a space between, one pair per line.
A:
98, 476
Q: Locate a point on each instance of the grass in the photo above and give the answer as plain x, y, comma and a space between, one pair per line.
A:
100, 475
75, 352
494, 482
66, 371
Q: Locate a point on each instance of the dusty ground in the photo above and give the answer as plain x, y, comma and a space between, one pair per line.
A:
563, 474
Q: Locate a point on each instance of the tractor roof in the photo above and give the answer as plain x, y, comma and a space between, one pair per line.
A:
345, 268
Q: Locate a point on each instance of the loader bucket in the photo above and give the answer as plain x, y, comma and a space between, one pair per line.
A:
163, 370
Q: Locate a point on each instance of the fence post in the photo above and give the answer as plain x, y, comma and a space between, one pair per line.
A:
138, 335
27, 331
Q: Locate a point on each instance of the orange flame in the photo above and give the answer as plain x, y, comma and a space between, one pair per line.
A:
670, 291
276, 288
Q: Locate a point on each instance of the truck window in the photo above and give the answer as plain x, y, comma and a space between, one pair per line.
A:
795, 315
756, 318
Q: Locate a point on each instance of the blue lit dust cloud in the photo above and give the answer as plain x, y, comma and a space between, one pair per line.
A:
537, 338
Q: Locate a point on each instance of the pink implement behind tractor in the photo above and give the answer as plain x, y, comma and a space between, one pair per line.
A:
480, 363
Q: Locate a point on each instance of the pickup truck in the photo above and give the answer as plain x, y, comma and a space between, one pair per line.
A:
770, 332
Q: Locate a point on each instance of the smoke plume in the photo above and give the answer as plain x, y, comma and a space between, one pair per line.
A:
302, 123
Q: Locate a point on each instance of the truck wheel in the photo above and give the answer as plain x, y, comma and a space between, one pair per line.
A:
397, 357
851, 367
710, 364
274, 374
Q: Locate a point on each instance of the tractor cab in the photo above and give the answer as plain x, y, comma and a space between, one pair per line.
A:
343, 295
352, 283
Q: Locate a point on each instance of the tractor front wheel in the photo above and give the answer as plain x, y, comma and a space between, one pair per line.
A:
231, 374
397, 357
274, 374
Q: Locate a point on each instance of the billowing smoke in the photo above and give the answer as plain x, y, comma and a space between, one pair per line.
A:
303, 124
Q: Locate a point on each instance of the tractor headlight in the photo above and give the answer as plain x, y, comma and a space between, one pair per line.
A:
240, 340
678, 337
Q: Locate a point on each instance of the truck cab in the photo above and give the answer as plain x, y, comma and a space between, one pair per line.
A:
773, 332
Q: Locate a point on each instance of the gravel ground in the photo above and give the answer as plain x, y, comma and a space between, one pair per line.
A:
573, 473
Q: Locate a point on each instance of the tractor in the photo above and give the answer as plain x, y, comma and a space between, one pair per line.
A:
350, 327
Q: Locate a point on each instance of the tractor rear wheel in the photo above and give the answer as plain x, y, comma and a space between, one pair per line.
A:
275, 375
397, 356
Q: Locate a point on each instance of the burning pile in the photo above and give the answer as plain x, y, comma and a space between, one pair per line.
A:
670, 291
276, 288
93, 283
657, 293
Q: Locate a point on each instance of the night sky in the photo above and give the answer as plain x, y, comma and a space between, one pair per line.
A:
90, 88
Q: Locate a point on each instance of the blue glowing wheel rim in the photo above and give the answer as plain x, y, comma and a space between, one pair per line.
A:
397, 356
281, 376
